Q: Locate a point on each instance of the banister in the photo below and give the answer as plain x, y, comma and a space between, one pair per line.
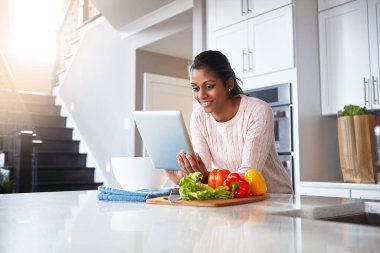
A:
66, 13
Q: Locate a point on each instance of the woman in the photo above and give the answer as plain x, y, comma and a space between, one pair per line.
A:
229, 129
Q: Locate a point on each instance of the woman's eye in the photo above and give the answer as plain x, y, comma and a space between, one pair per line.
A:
209, 87
195, 89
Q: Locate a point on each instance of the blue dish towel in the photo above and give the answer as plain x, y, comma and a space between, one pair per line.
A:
108, 193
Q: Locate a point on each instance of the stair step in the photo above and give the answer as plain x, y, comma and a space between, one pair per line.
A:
53, 110
65, 174
42, 99
68, 186
62, 159
48, 121
60, 165
56, 133
61, 146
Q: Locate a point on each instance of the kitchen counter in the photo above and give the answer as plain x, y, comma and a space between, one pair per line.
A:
78, 222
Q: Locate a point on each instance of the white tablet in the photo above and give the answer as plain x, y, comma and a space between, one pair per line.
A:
164, 135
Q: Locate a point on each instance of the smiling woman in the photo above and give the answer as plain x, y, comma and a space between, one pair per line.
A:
32, 31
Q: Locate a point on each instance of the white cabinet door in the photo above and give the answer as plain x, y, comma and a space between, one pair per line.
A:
223, 13
374, 40
232, 41
271, 41
327, 192
365, 194
344, 57
262, 6
326, 4
226, 12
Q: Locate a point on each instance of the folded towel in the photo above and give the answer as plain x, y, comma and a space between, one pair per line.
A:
108, 193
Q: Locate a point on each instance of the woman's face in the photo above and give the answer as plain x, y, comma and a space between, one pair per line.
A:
209, 90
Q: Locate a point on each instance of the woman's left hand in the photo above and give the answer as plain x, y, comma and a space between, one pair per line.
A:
191, 164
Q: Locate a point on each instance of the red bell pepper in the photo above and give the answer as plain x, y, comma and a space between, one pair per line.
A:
238, 185
217, 176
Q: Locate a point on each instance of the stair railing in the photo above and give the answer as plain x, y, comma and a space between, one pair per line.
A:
77, 14
13, 129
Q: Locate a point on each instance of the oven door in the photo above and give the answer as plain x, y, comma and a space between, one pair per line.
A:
282, 128
287, 163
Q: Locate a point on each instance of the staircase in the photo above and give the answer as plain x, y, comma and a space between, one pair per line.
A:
60, 165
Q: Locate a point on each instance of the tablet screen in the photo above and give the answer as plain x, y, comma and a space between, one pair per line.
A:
164, 135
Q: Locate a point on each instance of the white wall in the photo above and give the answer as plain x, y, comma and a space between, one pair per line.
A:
101, 85
317, 135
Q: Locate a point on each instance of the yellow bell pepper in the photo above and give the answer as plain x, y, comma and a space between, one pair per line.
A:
257, 184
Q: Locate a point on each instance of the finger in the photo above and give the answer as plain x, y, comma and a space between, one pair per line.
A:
181, 157
193, 162
180, 162
188, 167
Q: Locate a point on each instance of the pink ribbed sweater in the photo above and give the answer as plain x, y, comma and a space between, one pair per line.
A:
244, 142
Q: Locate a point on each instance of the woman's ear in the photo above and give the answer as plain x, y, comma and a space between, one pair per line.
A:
230, 84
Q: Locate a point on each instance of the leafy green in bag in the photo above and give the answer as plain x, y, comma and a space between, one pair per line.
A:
351, 110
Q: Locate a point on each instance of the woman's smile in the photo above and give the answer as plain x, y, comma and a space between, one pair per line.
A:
205, 104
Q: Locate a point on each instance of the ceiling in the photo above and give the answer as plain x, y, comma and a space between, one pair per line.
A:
178, 45
121, 12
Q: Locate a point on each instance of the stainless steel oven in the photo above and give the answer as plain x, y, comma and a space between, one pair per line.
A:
279, 98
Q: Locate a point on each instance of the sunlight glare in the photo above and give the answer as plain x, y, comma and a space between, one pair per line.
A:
33, 29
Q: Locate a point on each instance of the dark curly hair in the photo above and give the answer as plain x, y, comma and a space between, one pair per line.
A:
220, 66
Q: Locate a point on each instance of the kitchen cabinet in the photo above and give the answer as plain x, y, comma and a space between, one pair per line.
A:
340, 189
233, 42
374, 40
325, 191
227, 12
260, 45
365, 194
326, 4
270, 42
349, 56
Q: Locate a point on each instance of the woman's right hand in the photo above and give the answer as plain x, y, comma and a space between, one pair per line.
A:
190, 164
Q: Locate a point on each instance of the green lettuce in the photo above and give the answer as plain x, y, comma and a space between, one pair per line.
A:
192, 188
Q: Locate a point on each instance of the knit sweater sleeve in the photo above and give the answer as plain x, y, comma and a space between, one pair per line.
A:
259, 138
199, 142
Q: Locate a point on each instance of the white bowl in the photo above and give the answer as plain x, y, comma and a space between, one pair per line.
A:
133, 173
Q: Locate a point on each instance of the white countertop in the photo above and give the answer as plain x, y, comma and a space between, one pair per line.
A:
78, 222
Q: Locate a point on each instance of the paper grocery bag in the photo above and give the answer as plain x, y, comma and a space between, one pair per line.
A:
357, 148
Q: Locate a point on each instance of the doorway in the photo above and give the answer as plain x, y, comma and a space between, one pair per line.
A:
168, 93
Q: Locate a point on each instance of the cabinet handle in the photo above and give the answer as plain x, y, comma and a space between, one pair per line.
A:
243, 13
286, 164
250, 60
249, 9
365, 82
375, 88
244, 54
279, 114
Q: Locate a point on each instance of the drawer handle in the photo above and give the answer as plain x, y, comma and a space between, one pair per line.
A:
243, 13
244, 54
375, 88
365, 84
250, 60
249, 10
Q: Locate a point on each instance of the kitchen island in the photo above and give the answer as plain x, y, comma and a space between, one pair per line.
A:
78, 222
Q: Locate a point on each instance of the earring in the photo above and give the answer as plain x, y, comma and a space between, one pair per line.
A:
229, 90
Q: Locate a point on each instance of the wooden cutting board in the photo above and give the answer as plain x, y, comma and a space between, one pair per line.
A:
208, 203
